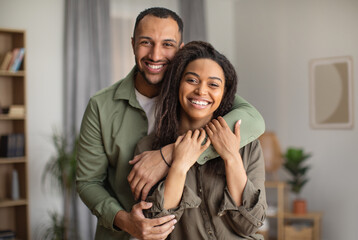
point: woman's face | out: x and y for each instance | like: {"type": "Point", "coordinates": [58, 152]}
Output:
{"type": "Point", "coordinates": [201, 89]}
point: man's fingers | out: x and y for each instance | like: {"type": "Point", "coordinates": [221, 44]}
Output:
{"type": "Point", "coordinates": [138, 189]}
{"type": "Point", "coordinates": [162, 220]}
{"type": "Point", "coordinates": [146, 190]}
{"type": "Point", "coordinates": [142, 205]}
{"type": "Point", "coordinates": [162, 231]}
{"type": "Point", "coordinates": [168, 226]}
{"type": "Point", "coordinates": [135, 159]}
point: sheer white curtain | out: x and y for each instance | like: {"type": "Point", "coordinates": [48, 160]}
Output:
{"type": "Point", "coordinates": [122, 53]}
{"type": "Point", "coordinates": [87, 70]}
{"type": "Point", "coordinates": [193, 14]}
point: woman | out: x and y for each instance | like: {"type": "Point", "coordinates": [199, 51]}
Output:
{"type": "Point", "coordinates": [225, 197]}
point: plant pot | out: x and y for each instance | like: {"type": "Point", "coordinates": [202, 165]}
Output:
{"type": "Point", "coordinates": [299, 206]}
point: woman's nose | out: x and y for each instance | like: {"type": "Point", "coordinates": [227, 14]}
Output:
{"type": "Point", "coordinates": [201, 89]}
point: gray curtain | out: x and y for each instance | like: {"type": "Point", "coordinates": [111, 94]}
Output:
{"type": "Point", "coordinates": [193, 15]}
{"type": "Point", "coordinates": [87, 70]}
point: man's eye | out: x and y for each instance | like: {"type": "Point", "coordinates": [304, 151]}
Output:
{"type": "Point", "coordinates": [145, 42]}
{"type": "Point", "coordinates": [168, 44]}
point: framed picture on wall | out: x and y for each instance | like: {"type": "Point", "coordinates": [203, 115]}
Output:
{"type": "Point", "coordinates": [331, 93]}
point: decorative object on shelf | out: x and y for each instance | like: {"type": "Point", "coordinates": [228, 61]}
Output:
{"type": "Point", "coordinates": [272, 153]}
{"type": "Point", "coordinates": [15, 190]}
{"type": "Point", "coordinates": [17, 110]}
{"type": "Point", "coordinates": [294, 159]}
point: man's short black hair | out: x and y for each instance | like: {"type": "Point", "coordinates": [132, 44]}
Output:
{"type": "Point", "coordinates": [160, 12]}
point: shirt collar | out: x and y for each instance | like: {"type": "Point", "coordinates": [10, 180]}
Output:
{"type": "Point", "coordinates": [126, 89]}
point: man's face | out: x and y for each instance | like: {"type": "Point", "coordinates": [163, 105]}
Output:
{"type": "Point", "coordinates": [155, 43]}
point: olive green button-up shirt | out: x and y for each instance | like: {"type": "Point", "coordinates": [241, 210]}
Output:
{"type": "Point", "coordinates": [112, 125]}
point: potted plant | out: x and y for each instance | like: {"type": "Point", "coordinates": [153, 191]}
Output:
{"type": "Point", "coordinates": [294, 160]}
{"type": "Point", "coordinates": [61, 171]}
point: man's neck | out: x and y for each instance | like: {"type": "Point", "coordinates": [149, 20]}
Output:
{"type": "Point", "coordinates": [144, 88]}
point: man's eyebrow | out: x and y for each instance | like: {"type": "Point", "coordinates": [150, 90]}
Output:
{"type": "Point", "coordinates": [165, 40]}
{"type": "Point", "coordinates": [170, 40]}
{"type": "Point", "coordinates": [197, 75]}
{"type": "Point", "coordinates": [144, 37]}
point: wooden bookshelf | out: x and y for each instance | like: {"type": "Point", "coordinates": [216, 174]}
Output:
{"type": "Point", "coordinates": [14, 213]}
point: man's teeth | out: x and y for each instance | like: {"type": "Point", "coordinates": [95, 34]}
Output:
{"type": "Point", "coordinates": [155, 66]}
{"type": "Point", "coordinates": [201, 103]}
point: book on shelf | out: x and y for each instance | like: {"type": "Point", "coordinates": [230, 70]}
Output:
{"type": "Point", "coordinates": [12, 145]}
{"type": "Point", "coordinates": [7, 234]}
{"type": "Point", "coordinates": [12, 60]}
{"type": "Point", "coordinates": [6, 61]}
{"type": "Point", "coordinates": [18, 60]}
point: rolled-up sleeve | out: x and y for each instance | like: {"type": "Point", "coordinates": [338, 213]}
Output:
{"type": "Point", "coordinates": [189, 200]}
{"type": "Point", "coordinates": [247, 218]}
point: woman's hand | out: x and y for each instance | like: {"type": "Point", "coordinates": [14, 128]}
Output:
{"type": "Point", "coordinates": [188, 148]}
{"type": "Point", "coordinates": [225, 142]}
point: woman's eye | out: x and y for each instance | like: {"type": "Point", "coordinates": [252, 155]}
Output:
{"type": "Point", "coordinates": [215, 85]}
{"type": "Point", "coordinates": [191, 80]}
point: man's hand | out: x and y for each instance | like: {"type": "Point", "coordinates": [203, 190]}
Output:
{"type": "Point", "coordinates": [138, 226]}
{"type": "Point", "coordinates": [149, 168]}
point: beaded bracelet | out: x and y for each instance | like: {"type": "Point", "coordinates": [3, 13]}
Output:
{"type": "Point", "coordinates": [161, 153]}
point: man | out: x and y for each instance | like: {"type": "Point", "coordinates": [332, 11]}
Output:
{"type": "Point", "coordinates": [117, 117]}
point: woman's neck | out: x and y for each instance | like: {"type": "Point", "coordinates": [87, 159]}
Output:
{"type": "Point", "coordinates": [187, 124]}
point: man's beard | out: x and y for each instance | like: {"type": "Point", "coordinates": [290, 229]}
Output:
{"type": "Point", "coordinates": [147, 80]}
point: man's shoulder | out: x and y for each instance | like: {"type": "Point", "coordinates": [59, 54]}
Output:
{"type": "Point", "coordinates": [106, 92]}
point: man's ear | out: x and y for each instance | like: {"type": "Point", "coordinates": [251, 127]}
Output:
{"type": "Point", "coordinates": [181, 45]}
{"type": "Point", "coordinates": [132, 39]}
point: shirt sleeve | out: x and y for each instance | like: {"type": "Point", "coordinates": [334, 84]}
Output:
{"type": "Point", "coordinates": [252, 125]}
{"type": "Point", "coordinates": [189, 200]}
{"type": "Point", "coordinates": [91, 170]}
{"type": "Point", "coordinates": [247, 218]}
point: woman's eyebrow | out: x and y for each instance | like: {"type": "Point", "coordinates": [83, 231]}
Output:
{"type": "Point", "coordinates": [197, 75]}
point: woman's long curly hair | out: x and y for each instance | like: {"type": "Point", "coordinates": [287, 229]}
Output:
{"type": "Point", "coordinates": [168, 107]}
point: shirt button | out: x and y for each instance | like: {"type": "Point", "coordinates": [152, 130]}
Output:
{"type": "Point", "coordinates": [206, 158]}
{"type": "Point", "coordinates": [200, 190]}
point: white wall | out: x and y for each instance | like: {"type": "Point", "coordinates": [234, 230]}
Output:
{"type": "Point", "coordinates": [273, 43]}
{"type": "Point", "coordinates": [43, 21]}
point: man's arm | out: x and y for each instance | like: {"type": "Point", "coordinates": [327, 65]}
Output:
{"type": "Point", "coordinates": [149, 167]}
{"type": "Point", "coordinates": [92, 164]}
{"type": "Point", "coordinates": [92, 167]}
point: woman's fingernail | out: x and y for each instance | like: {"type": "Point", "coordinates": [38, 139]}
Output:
{"type": "Point", "coordinates": [240, 122]}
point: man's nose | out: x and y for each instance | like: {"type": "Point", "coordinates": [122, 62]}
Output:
{"type": "Point", "coordinates": [156, 53]}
